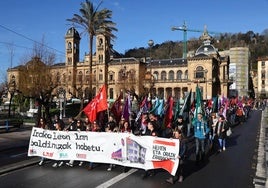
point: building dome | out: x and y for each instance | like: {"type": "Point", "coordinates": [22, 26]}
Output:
{"type": "Point", "coordinates": [207, 48]}
{"type": "Point", "coordinates": [72, 32]}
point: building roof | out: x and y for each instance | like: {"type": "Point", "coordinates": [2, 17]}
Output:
{"type": "Point", "coordinates": [14, 68]}
{"type": "Point", "coordinates": [58, 64]}
{"type": "Point", "coordinates": [169, 62]}
{"type": "Point", "coordinates": [115, 54]}
{"type": "Point", "coordinates": [124, 60]}
{"type": "Point", "coordinates": [72, 32]}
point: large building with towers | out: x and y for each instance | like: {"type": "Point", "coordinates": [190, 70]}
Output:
{"type": "Point", "coordinates": [162, 78]}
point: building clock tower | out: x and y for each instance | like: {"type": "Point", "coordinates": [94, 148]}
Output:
{"type": "Point", "coordinates": [102, 59]}
{"type": "Point", "coordinates": [72, 44]}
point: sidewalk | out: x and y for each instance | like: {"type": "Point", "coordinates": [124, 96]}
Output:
{"type": "Point", "coordinates": [261, 177]}
{"type": "Point", "coordinates": [15, 166]}
{"type": "Point", "coordinates": [5, 144]}
{"type": "Point", "coordinates": [265, 124]}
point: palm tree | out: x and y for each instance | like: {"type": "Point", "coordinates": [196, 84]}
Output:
{"type": "Point", "coordinates": [94, 21]}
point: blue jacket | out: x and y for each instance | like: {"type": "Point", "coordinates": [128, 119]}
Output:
{"type": "Point", "coordinates": [201, 129]}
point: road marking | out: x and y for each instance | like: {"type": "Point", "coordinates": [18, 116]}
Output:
{"type": "Point", "coordinates": [116, 179]}
{"type": "Point", "coordinates": [13, 156]}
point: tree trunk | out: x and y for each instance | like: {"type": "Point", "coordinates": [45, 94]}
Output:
{"type": "Point", "coordinates": [9, 105]}
{"type": "Point", "coordinates": [90, 66]}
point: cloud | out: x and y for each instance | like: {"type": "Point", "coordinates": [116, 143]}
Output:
{"type": "Point", "coordinates": [118, 5]}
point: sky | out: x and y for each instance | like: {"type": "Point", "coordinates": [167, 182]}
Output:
{"type": "Point", "coordinates": [24, 22]}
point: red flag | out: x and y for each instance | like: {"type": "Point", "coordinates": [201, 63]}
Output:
{"type": "Point", "coordinates": [116, 108]}
{"type": "Point", "coordinates": [91, 110]}
{"type": "Point", "coordinates": [98, 104]}
{"type": "Point", "coordinates": [209, 103]}
{"type": "Point", "coordinates": [102, 100]}
{"type": "Point", "coordinates": [169, 112]}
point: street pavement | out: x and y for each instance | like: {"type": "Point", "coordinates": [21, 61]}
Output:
{"type": "Point", "coordinates": [260, 179]}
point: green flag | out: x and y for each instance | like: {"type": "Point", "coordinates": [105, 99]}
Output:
{"type": "Point", "coordinates": [198, 102]}
{"type": "Point", "coordinates": [187, 103]}
{"type": "Point", "coordinates": [177, 109]}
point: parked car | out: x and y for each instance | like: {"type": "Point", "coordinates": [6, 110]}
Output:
{"type": "Point", "coordinates": [11, 122]}
{"type": "Point", "coordinates": [31, 112]}
{"type": "Point", "coordinates": [5, 106]}
{"type": "Point", "coordinates": [73, 101]}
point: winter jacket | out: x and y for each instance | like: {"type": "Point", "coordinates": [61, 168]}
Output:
{"type": "Point", "coordinates": [220, 129]}
{"type": "Point", "coordinates": [201, 129]}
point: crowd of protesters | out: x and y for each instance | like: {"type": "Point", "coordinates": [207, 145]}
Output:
{"type": "Point", "coordinates": [208, 130]}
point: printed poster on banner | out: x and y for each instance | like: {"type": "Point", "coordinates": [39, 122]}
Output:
{"type": "Point", "coordinates": [145, 152]}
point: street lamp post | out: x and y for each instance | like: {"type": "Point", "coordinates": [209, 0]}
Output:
{"type": "Point", "coordinates": [206, 71]}
{"type": "Point", "coordinates": [62, 101]}
{"type": "Point", "coordinates": [150, 44]}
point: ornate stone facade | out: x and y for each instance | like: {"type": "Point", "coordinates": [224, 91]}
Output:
{"type": "Point", "coordinates": [161, 78]}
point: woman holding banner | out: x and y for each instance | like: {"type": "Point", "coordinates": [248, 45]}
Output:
{"type": "Point", "coordinates": [43, 125]}
{"type": "Point", "coordinates": [95, 128]}
{"type": "Point", "coordinates": [71, 127]}
{"type": "Point", "coordinates": [151, 131]}
{"type": "Point", "coordinates": [58, 127]}
{"type": "Point", "coordinates": [177, 134]}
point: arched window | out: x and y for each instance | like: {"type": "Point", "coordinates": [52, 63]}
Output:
{"type": "Point", "coordinates": [13, 78]}
{"type": "Point", "coordinates": [186, 74]}
{"type": "Point", "coordinates": [69, 46]}
{"type": "Point", "coordinates": [132, 74]}
{"type": "Point", "coordinates": [64, 78]}
{"type": "Point", "coordinates": [69, 59]}
{"type": "Point", "coordinates": [87, 94]}
{"type": "Point", "coordinates": [111, 76]}
{"type": "Point", "coordinates": [100, 58]}
{"type": "Point", "coordinates": [111, 93]}
{"type": "Point", "coordinates": [75, 48]}
{"type": "Point", "coordinates": [58, 77]}
{"type": "Point", "coordinates": [80, 76]}
{"type": "Point", "coordinates": [163, 75]}
{"type": "Point", "coordinates": [87, 76]}
{"type": "Point", "coordinates": [122, 74]}
{"type": "Point", "coordinates": [70, 76]}
{"type": "Point", "coordinates": [171, 75]}
{"type": "Point", "coordinates": [100, 75]}
{"type": "Point", "coordinates": [100, 41]}
{"type": "Point", "coordinates": [156, 75]}
{"type": "Point", "coordinates": [179, 75]}
{"type": "Point", "coordinates": [94, 75]}
{"type": "Point", "coordinates": [199, 72]}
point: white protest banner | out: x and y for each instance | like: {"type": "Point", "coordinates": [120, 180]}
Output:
{"type": "Point", "coordinates": [124, 149]}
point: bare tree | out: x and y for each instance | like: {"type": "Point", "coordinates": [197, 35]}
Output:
{"type": "Point", "coordinates": [40, 50]}
{"type": "Point", "coordinates": [3, 91]}
{"type": "Point", "coordinates": [12, 88]}
{"type": "Point", "coordinates": [36, 81]}
{"type": "Point", "coordinates": [10, 47]}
